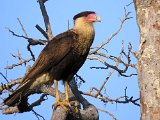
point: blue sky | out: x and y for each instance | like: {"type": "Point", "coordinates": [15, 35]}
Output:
{"type": "Point", "coordinates": [60, 11]}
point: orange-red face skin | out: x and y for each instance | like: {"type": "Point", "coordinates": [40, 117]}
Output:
{"type": "Point", "coordinates": [91, 17]}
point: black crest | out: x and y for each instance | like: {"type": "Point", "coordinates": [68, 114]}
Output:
{"type": "Point", "coordinates": [83, 14]}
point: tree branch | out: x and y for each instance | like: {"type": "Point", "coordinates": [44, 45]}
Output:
{"type": "Point", "coordinates": [126, 17]}
{"type": "Point", "coordinates": [42, 31]}
{"type": "Point", "coordinates": [110, 114]}
{"type": "Point", "coordinates": [22, 27]}
{"type": "Point", "coordinates": [46, 19]}
{"type": "Point", "coordinates": [9, 85]}
{"type": "Point", "coordinates": [31, 41]}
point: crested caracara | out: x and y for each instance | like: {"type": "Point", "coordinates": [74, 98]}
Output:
{"type": "Point", "coordinates": [61, 58]}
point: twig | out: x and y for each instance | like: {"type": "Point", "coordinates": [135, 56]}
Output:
{"type": "Point", "coordinates": [18, 64]}
{"type": "Point", "coordinates": [22, 27]}
{"type": "Point", "coordinates": [130, 75]}
{"type": "Point", "coordinates": [38, 102]}
{"type": "Point", "coordinates": [114, 67]}
{"type": "Point", "coordinates": [116, 100]}
{"type": "Point", "coordinates": [46, 19]}
{"type": "Point", "coordinates": [42, 31]}
{"type": "Point", "coordinates": [4, 77]}
{"type": "Point", "coordinates": [115, 59]}
{"type": "Point", "coordinates": [114, 34]}
{"type": "Point", "coordinates": [28, 47]}
{"type": "Point", "coordinates": [8, 85]}
{"type": "Point", "coordinates": [121, 61]}
{"type": "Point", "coordinates": [10, 110]}
{"type": "Point", "coordinates": [78, 76]}
{"type": "Point", "coordinates": [110, 114]}
{"type": "Point", "coordinates": [99, 68]}
{"type": "Point", "coordinates": [31, 40]}
{"type": "Point", "coordinates": [38, 115]}
{"type": "Point", "coordinates": [95, 58]}
{"type": "Point", "coordinates": [129, 100]}
{"type": "Point", "coordinates": [110, 73]}
{"type": "Point", "coordinates": [94, 88]}
{"type": "Point", "coordinates": [130, 4]}
{"type": "Point", "coordinates": [68, 25]}
{"type": "Point", "coordinates": [101, 97]}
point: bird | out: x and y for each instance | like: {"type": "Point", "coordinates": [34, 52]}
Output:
{"type": "Point", "coordinates": [60, 59]}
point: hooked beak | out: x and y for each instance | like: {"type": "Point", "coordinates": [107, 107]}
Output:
{"type": "Point", "coordinates": [98, 19]}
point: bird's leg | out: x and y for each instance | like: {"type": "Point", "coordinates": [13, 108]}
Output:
{"type": "Point", "coordinates": [56, 90]}
{"type": "Point", "coordinates": [58, 102]}
{"type": "Point", "coordinates": [66, 91]}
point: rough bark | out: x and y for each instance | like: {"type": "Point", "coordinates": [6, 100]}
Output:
{"type": "Point", "coordinates": [148, 18]}
{"type": "Point", "coordinates": [89, 111]}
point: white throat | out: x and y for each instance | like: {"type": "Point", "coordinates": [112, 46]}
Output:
{"type": "Point", "coordinates": [84, 27]}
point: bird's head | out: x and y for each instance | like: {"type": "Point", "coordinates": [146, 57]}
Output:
{"type": "Point", "coordinates": [84, 20]}
{"type": "Point", "coordinates": [87, 16]}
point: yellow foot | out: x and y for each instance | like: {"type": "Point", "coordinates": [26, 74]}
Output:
{"type": "Point", "coordinates": [64, 104]}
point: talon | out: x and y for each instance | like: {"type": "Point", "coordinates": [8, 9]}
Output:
{"type": "Point", "coordinates": [63, 104]}
{"type": "Point", "coordinates": [67, 103]}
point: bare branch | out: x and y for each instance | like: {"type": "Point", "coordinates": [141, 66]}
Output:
{"type": "Point", "coordinates": [110, 114]}
{"type": "Point", "coordinates": [110, 73]}
{"type": "Point", "coordinates": [28, 47]}
{"type": "Point", "coordinates": [130, 4]}
{"type": "Point", "coordinates": [31, 40]}
{"type": "Point", "coordinates": [129, 100]}
{"type": "Point", "coordinates": [46, 19]}
{"type": "Point", "coordinates": [37, 42]}
{"type": "Point", "coordinates": [116, 100]}
{"type": "Point", "coordinates": [38, 115]}
{"type": "Point", "coordinates": [78, 76]}
{"type": "Point", "coordinates": [10, 110]}
{"type": "Point", "coordinates": [115, 59]}
{"type": "Point", "coordinates": [80, 79]}
{"type": "Point", "coordinates": [101, 97]}
{"type": "Point", "coordinates": [42, 31]}
{"type": "Point", "coordinates": [38, 102]}
{"type": "Point", "coordinates": [22, 27]}
{"type": "Point", "coordinates": [4, 77]}
{"type": "Point", "coordinates": [9, 85]}
{"type": "Point", "coordinates": [114, 34]}
{"type": "Point", "coordinates": [21, 59]}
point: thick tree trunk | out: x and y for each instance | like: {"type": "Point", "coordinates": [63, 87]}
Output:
{"type": "Point", "coordinates": [148, 18]}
